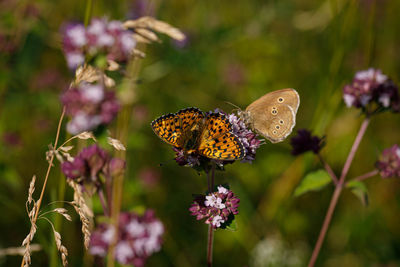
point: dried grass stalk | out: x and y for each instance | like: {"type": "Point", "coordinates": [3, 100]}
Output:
{"type": "Point", "coordinates": [147, 34]}
{"type": "Point", "coordinates": [88, 73]}
{"type": "Point", "coordinates": [31, 189]}
{"type": "Point", "coordinates": [112, 65]}
{"type": "Point", "coordinates": [84, 212]}
{"type": "Point", "coordinates": [27, 243]}
{"type": "Point", "coordinates": [63, 250]}
{"type": "Point", "coordinates": [18, 250]}
{"type": "Point", "coordinates": [138, 53]}
{"type": "Point", "coordinates": [86, 135]}
{"type": "Point", "coordinates": [115, 143]}
{"type": "Point", "coordinates": [66, 148]}
{"type": "Point", "coordinates": [140, 39]}
{"type": "Point", "coordinates": [155, 25]}
{"type": "Point", "coordinates": [63, 212]}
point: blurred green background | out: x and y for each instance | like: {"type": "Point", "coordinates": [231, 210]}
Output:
{"type": "Point", "coordinates": [236, 52]}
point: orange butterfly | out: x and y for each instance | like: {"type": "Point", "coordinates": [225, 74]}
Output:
{"type": "Point", "coordinates": [193, 131]}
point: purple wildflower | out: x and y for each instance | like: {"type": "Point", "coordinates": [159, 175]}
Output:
{"type": "Point", "coordinates": [304, 142]}
{"type": "Point", "coordinates": [371, 86]}
{"type": "Point", "coordinates": [218, 208]}
{"type": "Point", "coordinates": [100, 37]}
{"type": "Point", "coordinates": [89, 105]}
{"type": "Point", "coordinates": [138, 238]}
{"type": "Point", "coordinates": [389, 163]}
{"type": "Point", "coordinates": [248, 138]}
{"type": "Point", "coordinates": [90, 164]}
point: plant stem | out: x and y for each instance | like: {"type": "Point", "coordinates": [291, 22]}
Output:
{"type": "Point", "coordinates": [88, 12]}
{"type": "Point", "coordinates": [103, 203]}
{"type": "Point", "coordinates": [210, 239]}
{"type": "Point", "coordinates": [39, 202]}
{"type": "Point", "coordinates": [336, 193]}
{"type": "Point", "coordinates": [328, 169]}
{"type": "Point", "coordinates": [366, 175]}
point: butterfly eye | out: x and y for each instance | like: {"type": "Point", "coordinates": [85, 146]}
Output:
{"type": "Point", "coordinates": [274, 132]}
{"type": "Point", "coordinates": [277, 127]}
{"type": "Point", "coordinates": [281, 121]}
{"type": "Point", "coordinates": [280, 100]}
{"type": "Point", "coordinates": [274, 111]}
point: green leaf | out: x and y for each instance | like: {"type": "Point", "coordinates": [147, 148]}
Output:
{"type": "Point", "coordinates": [232, 226]}
{"type": "Point", "coordinates": [313, 181]}
{"type": "Point", "coordinates": [360, 190]}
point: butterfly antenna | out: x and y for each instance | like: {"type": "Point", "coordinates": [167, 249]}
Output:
{"type": "Point", "coordinates": [236, 107]}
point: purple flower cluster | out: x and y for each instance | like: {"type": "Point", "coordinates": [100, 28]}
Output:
{"type": "Point", "coordinates": [304, 142]}
{"type": "Point", "coordinates": [248, 138]}
{"type": "Point", "coordinates": [389, 163]}
{"type": "Point", "coordinates": [100, 37]}
{"type": "Point", "coordinates": [371, 86]}
{"type": "Point", "coordinates": [91, 163]}
{"type": "Point", "coordinates": [90, 105]}
{"type": "Point", "coordinates": [217, 207]}
{"type": "Point", "coordinates": [137, 238]}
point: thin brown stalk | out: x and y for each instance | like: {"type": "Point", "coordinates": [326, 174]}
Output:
{"type": "Point", "coordinates": [39, 202]}
{"type": "Point", "coordinates": [210, 239]}
{"type": "Point", "coordinates": [338, 190]}
{"type": "Point", "coordinates": [366, 175]}
{"type": "Point", "coordinates": [328, 169]}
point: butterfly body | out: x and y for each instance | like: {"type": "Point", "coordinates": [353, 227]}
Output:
{"type": "Point", "coordinates": [195, 132]}
{"type": "Point", "coordinates": [273, 115]}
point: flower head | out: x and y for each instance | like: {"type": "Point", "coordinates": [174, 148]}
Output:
{"type": "Point", "coordinates": [389, 162]}
{"type": "Point", "coordinates": [90, 164]}
{"type": "Point", "coordinates": [304, 142]}
{"type": "Point", "coordinates": [218, 208]}
{"type": "Point", "coordinates": [138, 238]}
{"type": "Point", "coordinates": [371, 87]}
{"type": "Point", "coordinates": [104, 37]}
{"type": "Point", "coordinates": [89, 105]}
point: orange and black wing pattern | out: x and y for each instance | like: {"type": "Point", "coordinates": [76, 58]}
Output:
{"type": "Point", "coordinates": [170, 127]}
{"type": "Point", "coordinates": [217, 140]}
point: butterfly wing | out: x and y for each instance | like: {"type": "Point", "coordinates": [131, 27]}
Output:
{"type": "Point", "coordinates": [274, 114]}
{"type": "Point", "coordinates": [171, 127]}
{"type": "Point", "coordinates": [217, 141]}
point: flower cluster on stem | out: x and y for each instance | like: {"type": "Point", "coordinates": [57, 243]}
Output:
{"type": "Point", "coordinates": [217, 208]}
{"type": "Point", "coordinates": [89, 105]}
{"type": "Point", "coordinates": [101, 37]}
{"type": "Point", "coordinates": [372, 91]}
{"type": "Point", "coordinates": [138, 237]}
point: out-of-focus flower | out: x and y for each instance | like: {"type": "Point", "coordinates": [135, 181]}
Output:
{"type": "Point", "coordinates": [12, 139]}
{"type": "Point", "coordinates": [103, 37]}
{"type": "Point", "coordinates": [149, 177]}
{"type": "Point", "coordinates": [389, 162]}
{"type": "Point", "coordinates": [89, 105]}
{"type": "Point", "coordinates": [304, 142]}
{"type": "Point", "coordinates": [90, 164]}
{"type": "Point", "coordinates": [218, 208]}
{"type": "Point", "coordinates": [371, 86]}
{"type": "Point", "coordinates": [141, 8]}
{"type": "Point", "coordinates": [138, 238]}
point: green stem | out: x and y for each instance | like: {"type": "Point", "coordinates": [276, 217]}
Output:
{"type": "Point", "coordinates": [88, 12]}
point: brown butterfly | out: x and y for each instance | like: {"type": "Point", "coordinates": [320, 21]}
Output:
{"type": "Point", "coordinates": [273, 115]}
